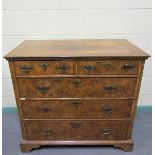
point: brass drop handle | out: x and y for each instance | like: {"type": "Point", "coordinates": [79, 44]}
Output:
{"type": "Point", "coordinates": [63, 68]}
{"type": "Point", "coordinates": [110, 89]}
{"type": "Point", "coordinates": [46, 131]}
{"type": "Point", "coordinates": [43, 89]}
{"type": "Point", "coordinates": [76, 125]}
{"type": "Point", "coordinates": [108, 65]}
{"type": "Point", "coordinates": [25, 68]}
{"type": "Point", "coordinates": [44, 66]}
{"type": "Point", "coordinates": [108, 110]}
{"type": "Point", "coordinates": [45, 109]}
{"type": "Point", "coordinates": [76, 83]}
{"type": "Point", "coordinates": [106, 131]}
{"type": "Point", "coordinates": [128, 66]}
{"type": "Point", "coordinates": [88, 68]}
{"type": "Point", "coordinates": [76, 104]}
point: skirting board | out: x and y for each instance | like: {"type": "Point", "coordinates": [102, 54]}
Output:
{"type": "Point", "coordinates": [11, 110]}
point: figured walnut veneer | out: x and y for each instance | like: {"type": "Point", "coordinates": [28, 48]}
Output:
{"type": "Point", "coordinates": [76, 92]}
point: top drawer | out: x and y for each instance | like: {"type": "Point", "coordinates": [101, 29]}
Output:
{"type": "Point", "coordinates": [45, 67]}
{"type": "Point", "coordinates": [108, 67]}
{"type": "Point", "coordinates": [84, 67]}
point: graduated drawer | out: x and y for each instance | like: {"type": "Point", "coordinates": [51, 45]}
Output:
{"type": "Point", "coordinates": [64, 67]}
{"type": "Point", "coordinates": [76, 87]}
{"type": "Point", "coordinates": [74, 109]}
{"type": "Point", "coordinates": [108, 67]}
{"type": "Point", "coordinates": [76, 130]}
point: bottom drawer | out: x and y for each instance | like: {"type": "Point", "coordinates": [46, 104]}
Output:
{"type": "Point", "coordinates": [76, 130]}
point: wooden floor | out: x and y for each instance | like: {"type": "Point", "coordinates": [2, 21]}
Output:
{"type": "Point", "coordinates": [142, 135]}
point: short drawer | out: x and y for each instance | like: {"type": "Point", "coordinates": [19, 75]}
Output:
{"type": "Point", "coordinates": [74, 109]}
{"type": "Point", "coordinates": [108, 67]}
{"type": "Point", "coordinates": [76, 130]}
{"type": "Point", "coordinates": [45, 67]}
{"type": "Point", "coordinates": [76, 87]}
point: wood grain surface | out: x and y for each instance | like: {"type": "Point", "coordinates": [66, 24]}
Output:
{"type": "Point", "coordinates": [76, 48]}
{"type": "Point", "coordinates": [76, 92]}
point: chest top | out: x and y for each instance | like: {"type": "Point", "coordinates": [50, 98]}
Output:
{"type": "Point", "coordinates": [82, 48]}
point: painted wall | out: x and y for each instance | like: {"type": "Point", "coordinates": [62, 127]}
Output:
{"type": "Point", "coordinates": [63, 19]}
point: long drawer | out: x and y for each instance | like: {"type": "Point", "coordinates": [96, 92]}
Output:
{"type": "Point", "coordinates": [74, 109]}
{"type": "Point", "coordinates": [76, 87]}
{"type": "Point", "coordinates": [76, 130]}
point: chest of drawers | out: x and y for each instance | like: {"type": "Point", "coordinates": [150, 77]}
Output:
{"type": "Point", "coordinates": [76, 92]}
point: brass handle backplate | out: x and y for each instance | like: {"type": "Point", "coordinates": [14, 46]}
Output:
{"type": "Point", "coordinates": [108, 110]}
{"type": "Point", "coordinates": [88, 68]}
{"type": "Point", "coordinates": [128, 66]}
{"type": "Point", "coordinates": [43, 89]}
{"type": "Point", "coordinates": [46, 131]}
{"type": "Point", "coordinates": [76, 83]}
{"type": "Point", "coordinates": [45, 109]}
{"type": "Point", "coordinates": [63, 68]}
{"type": "Point", "coordinates": [110, 89]}
{"type": "Point", "coordinates": [108, 65]}
{"type": "Point", "coordinates": [44, 66]}
{"type": "Point", "coordinates": [76, 104]}
{"type": "Point", "coordinates": [106, 131]}
{"type": "Point", "coordinates": [76, 125]}
{"type": "Point", "coordinates": [25, 68]}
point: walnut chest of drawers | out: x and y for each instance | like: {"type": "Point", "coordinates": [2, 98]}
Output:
{"type": "Point", "coordinates": [76, 92]}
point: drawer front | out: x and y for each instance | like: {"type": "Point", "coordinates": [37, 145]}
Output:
{"type": "Point", "coordinates": [111, 67]}
{"type": "Point", "coordinates": [45, 67]}
{"type": "Point", "coordinates": [76, 130]}
{"type": "Point", "coordinates": [83, 109]}
{"type": "Point", "coordinates": [76, 87]}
